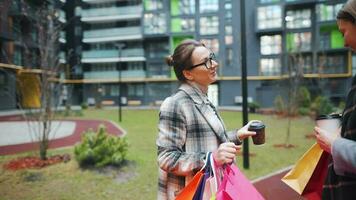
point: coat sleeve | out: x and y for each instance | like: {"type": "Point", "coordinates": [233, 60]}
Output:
{"type": "Point", "coordinates": [344, 156]}
{"type": "Point", "coordinates": [232, 135]}
{"type": "Point", "coordinates": [171, 141]}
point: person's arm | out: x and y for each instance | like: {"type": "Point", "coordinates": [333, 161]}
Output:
{"type": "Point", "coordinates": [171, 141]}
{"type": "Point", "coordinates": [238, 135]}
{"type": "Point", "coordinates": [343, 152]}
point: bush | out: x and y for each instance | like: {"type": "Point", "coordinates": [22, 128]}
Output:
{"type": "Point", "coordinates": [279, 104]}
{"type": "Point", "coordinates": [303, 97]}
{"type": "Point", "coordinates": [322, 106]}
{"type": "Point", "coordinates": [253, 106]}
{"type": "Point", "coordinates": [84, 106]}
{"type": "Point", "coordinates": [100, 149]}
{"type": "Point", "coordinates": [304, 111]}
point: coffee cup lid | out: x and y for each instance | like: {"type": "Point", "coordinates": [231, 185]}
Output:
{"type": "Point", "coordinates": [332, 116]}
{"type": "Point", "coordinates": [256, 125]}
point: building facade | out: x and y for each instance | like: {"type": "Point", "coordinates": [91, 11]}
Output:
{"type": "Point", "coordinates": [116, 49]}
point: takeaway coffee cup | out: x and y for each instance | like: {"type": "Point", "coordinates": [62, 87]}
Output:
{"type": "Point", "coordinates": [259, 128]}
{"type": "Point", "coordinates": [330, 123]}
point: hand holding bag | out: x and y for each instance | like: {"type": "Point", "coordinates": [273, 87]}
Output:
{"type": "Point", "coordinates": [194, 189]}
{"type": "Point", "coordinates": [235, 186]}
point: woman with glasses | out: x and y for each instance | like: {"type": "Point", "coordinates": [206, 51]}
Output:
{"type": "Point", "coordinates": [189, 125]}
{"type": "Point", "coordinates": [340, 182]}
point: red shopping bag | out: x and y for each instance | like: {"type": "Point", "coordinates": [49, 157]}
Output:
{"type": "Point", "coordinates": [314, 187]}
{"type": "Point", "coordinates": [235, 186]}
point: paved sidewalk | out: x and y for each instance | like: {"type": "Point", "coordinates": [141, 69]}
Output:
{"type": "Point", "coordinates": [19, 141]}
{"type": "Point", "coordinates": [272, 188]}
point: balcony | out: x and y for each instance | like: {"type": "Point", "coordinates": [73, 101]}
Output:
{"type": "Point", "coordinates": [62, 57]}
{"type": "Point", "coordinates": [112, 34]}
{"type": "Point", "coordinates": [62, 16]}
{"type": "Point", "coordinates": [110, 56]}
{"type": "Point", "coordinates": [98, 1]}
{"type": "Point", "coordinates": [115, 74]}
{"type": "Point", "coordinates": [111, 14]}
{"type": "Point", "coordinates": [62, 37]}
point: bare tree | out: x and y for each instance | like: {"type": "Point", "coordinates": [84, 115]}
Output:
{"type": "Point", "coordinates": [44, 22]}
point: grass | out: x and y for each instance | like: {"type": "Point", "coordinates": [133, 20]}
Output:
{"type": "Point", "coordinates": [68, 181]}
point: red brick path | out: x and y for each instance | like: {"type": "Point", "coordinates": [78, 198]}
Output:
{"type": "Point", "coordinates": [81, 126]}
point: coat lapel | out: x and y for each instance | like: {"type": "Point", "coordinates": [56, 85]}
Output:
{"type": "Point", "coordinates": [207, 113]}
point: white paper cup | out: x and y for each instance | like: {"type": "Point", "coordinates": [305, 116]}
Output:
{"type": "Point", "coordinates": [330, 123]}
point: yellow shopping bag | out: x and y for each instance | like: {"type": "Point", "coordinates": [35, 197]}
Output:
{"type": "Point", "coordinates": [307, 176]}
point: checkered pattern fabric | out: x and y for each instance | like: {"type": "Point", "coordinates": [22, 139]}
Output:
{"type": "Point", "coordinates": [188, 129]}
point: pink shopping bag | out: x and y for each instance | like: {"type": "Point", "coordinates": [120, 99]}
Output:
{"type": "Point", "coordinates": [235, 186]}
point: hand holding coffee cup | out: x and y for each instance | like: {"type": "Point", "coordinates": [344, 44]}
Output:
{"type": "Point", "coordinates": [327, 130]}
{"type": "Point", "coordinates": [330, 123]}
{"type": "Point", "coordinates": [259, 128]}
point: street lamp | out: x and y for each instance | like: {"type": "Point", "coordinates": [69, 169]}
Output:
{"type": "Point", "coordinates": [119, 46]}
{"type": "Point", "coordinates": [245, 151]}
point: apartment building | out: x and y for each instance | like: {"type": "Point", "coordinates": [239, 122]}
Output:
{"type": "Point", "coordinates": [116, 49]}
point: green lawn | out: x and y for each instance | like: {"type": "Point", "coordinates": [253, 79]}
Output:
{"type": "Point", "coordinates": [137, 180]}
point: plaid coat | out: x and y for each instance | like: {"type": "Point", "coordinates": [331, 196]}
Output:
{"type": "Point", "coordinates": [343, 186]}
{"type": "Point", "coordinates": [189, 127]}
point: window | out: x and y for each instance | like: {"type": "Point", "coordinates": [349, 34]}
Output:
{"type": "Point", "coordinates": [157, 49]}
{"type": "Point", "coordinates": [270, 67]}
{"type": "Point", "coordinates": [209, 25]}
{"type": "Point", "coordinates": [269, 1]}
{"type": "Point", "coordinates": [153, 4]}
{"type": "Point", "coordinates": [212, 44]}
{"type": "Point", "coordinates": [303, 62]}
{"type": "Point", "coordinates": [208, 6]}
{"type": "Point", "coordinates": [182, 7]}
{"type": "Point", "coordinates": [2, 79]}
{"type": "Point", "coordinates": [297, 42]}
{"type": "Point", "coordinates": [155, 23]}
{"type": "Point", "coordinates": [269, 17]}
{"type": "Point", "coordinates": [228, 35]}
{"type": "Point", "coordinates": [271, 44]}
{"type": "Point", "coordinates": [229, 56]}
{"type": "Point", "coordinates": [328, 12]}
{"type": "Point", "coordinates": [114, 90]}
{"type": "Point", "coordinates": [135, 90]}
{"type": "Point", "coordinates": [134, 66]}
{"type": "Point", "coordinates": [182, 25]}
{"type": "Point", "coordinates": [298, 18]}
{"type": "Point", "coordinates": [332, 64]}
{"type": "Point", "coordinates": [17, 56]}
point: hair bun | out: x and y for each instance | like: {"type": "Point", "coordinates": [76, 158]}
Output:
{"type": "Point", "coordinates": [169, 60]}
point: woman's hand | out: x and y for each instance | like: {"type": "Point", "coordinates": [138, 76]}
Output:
{"type": "Point", "coordinates": [325, 139]}
{"type": "Point", "coordinates": [243, 132]}
{"type": "Point", "coordinates": [225, 153]}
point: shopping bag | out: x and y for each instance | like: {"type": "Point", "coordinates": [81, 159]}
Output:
{"type": "Point", "coordinates": [308, 174]}
{"type": "Point", "coordinates": [194, 189]}
{"type": "Point", "coordinates": [314, 188]}
{"type": "Point", "coordinates": [190, 189]}
{"type": "Point", "coordinates": [235, 186]}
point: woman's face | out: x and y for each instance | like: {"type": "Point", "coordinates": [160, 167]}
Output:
{"type": "Point", "coordinates": [204, 67]}
{"type": "Point", "coordinates": [348, 30]}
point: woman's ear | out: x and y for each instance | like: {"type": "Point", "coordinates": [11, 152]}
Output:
{"type": "Point", "coordinates": [188, 75]}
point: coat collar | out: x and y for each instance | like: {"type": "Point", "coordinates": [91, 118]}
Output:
{"type": "Point", "coordinates": [195, 93]}
{"type": "Point", "coordinates": [202, 104]}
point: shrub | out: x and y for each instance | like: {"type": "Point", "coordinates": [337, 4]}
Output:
{"type": "Point", "coordinates": [100, 149]}
{"type": "Point", "coordinates": [279, 104]}
{"type": "Point", "coordinates": [322, 105]}
{"type": "Point", "coordinates": [303, 97]}
{"type": "Point", "coordinates": [253, 106]}
{"type": "Point", "coordinates": [84, 106]}
{"type": "Point", "coordinates": [304, 111]}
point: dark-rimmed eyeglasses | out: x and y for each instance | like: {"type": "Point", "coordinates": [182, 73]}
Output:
{"type": "Point", "coordinates": [208, 63]}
